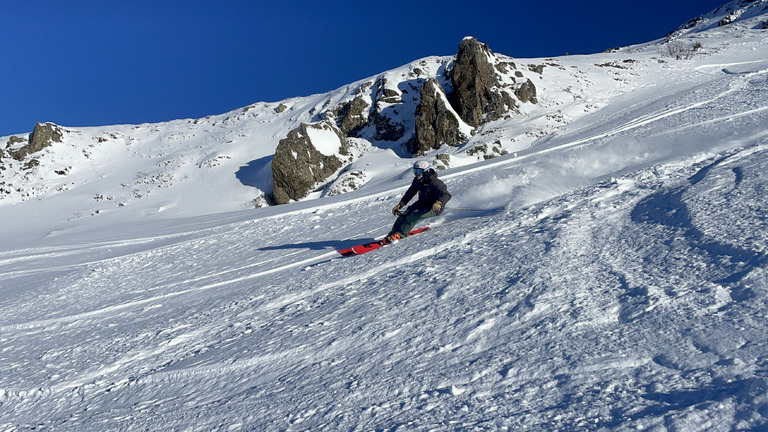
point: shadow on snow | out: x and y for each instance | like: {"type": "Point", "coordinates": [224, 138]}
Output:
{"type": "Point", "coordinates": [320, 245]}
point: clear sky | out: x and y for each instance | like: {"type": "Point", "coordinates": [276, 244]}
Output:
{"type": "Point", "coordinates": [103, 62]}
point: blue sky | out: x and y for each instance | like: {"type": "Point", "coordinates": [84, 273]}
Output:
{"type": "Point", "coordinates": [95, 62]}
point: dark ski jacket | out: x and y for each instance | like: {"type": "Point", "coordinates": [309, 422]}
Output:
{"type": "Point", "coordinates": [430, 189]}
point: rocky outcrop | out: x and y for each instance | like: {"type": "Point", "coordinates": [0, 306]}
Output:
{"type": "Point", "coordinates": [43, 135]}
{"type": "Point", "coordinates": [526, 92]}
{"type": "Point", "coordinates": [299, 164]}
{"type": "Point", "coordinates": [385, 94]}
{"type": "Point", "coordinates": [385, 97]}
{"type": "Point", "coordinates": [436, 123]}
{"type": "Point", "coordinates": [476, 95]}
{"type": "Point", "coordinates": [386, 129]}
{"type": "Point", "coordinates": [351, 116]}
{"type": "Point", "coordinates": [12, 141]}
{"type": "Point", "coordinates": [387, 113]}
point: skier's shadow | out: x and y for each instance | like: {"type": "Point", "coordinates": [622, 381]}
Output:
{"type": "Point", "coordinates": [320, 245]}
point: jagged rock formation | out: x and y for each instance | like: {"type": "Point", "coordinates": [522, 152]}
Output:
{"type": "Point", "coordinates": [482, 87]}
{"type": "Point", "coordinates": [477, 96]}
{"type": "Point", "coordinates": [352, 116]}
{"type": "Point", "coordinates": [43, 135]}
{"type": "Point", "coordinates": [386, 128]}
{"type": "Point", "coordinates": [436, 123]}
{"type": "Point", "coordinates": [298, 165]}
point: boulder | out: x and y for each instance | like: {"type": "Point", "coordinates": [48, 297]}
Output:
{"type": "Point", "coordinates": [526, 92]}
{"type": "Point", "coordinates": [299, 164]}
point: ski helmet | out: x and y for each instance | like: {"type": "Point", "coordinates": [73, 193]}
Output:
{"type": "Point", "coordinates": [419, 167]}
{"type": "Point", "coordinates": [422, 165]}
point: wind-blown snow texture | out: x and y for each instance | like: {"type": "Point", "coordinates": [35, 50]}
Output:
{"type": "Point", "coordinates": [608, 274]}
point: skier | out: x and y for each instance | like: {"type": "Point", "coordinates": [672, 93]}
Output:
{"type": "Point", "coordinates": [433, 195]}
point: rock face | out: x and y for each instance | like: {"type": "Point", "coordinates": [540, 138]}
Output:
{"type": "Point", "coordinates": [298, 165]}
{"type": "Point", "coordinates": [476, 95]}
{"type": "Point", "coordinates": [352, 115]}
{"type": "Point", "coordinates": [436, 124]}
{"type": "Point", "coordinates": [44, 135]}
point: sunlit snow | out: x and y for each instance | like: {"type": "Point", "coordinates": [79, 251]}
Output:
{"type": "Point", "coordinates": [608, 273]}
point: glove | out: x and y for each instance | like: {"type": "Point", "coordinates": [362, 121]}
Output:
{"type": "Point", "coordinates": [437, 206]}
{"type": "Point", "coordinates": [396, 209]}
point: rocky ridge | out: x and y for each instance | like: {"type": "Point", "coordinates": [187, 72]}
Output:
{"type": "Point", "coordinates": [413, 116]}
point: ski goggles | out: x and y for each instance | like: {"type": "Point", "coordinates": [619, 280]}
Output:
{"type": "Point", "coordinates": [418, 171]}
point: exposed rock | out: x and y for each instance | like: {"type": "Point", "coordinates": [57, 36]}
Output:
{"type": "Point", "coordinates": [475, 95]}
{"type": "Point", "coordinates": [298, 166]}
{"type": "Point", "coordinates": [483, 152]}
{"type": "Point", "coordinates": [506, 67]}
{"type": "Point", "coordinates": [481, 89]}
{"type": "Point", "coordinates": [391, 96]}
{"type": "Point", "coordinates": [526, 92]}
{"type": "Point", "coordinates": [728, 19]}
{"type": "Point", "coordinates": [443, 161]}
{"type": "Point", "coordinates": [350, 116]}
{"type": "Point", "coordinates": [693, 23]}
{"type": "Point", "coordinates": [385, 94]}
{"type": "Point", "coordinates": [44, 135]}
{"type": "Point", "coordinates": [436, 124]}
{"type": "Point", "coordinates": [347, 182]}
{"type": "Point", "coordinates": [386, 130]}
{"type": "Point", "coordinates": [363, 88]}
{"type": "Point", "coordinates": [14, 140]}
{"type": "Point", "coordinates": [11, 142]}
{"type": "Point", "coordinates": [31, 164]}
{"type": "Point", "coordinates": [281, 108]}
{"type": "Point", "coordinates": [384, 98]}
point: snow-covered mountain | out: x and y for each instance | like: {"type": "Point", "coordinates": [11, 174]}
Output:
{"type": "Point", "coordinates": [602, 265]}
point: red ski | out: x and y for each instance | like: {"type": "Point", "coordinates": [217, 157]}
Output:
{"type": "Point", "coordinates": [365, 248]}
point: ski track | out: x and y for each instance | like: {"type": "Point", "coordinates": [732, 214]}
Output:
{"type": "Point", "coordinates": [538, 313]}
{"type": "Point", "coordinates": [634, 124]}
{"type": "Point", "coordinates": [140, 303]}
{"type": "Point", "coordinates": [284, 261]}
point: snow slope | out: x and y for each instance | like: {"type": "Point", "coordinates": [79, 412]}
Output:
{"type": "Point", "coordinates": [607, 274]}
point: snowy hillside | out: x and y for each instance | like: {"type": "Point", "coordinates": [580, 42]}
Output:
{"type": "Point", "coordinates": [607, 273]}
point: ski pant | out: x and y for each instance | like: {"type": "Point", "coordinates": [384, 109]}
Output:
{"type": "Point", "coordinates": [405, 222]}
